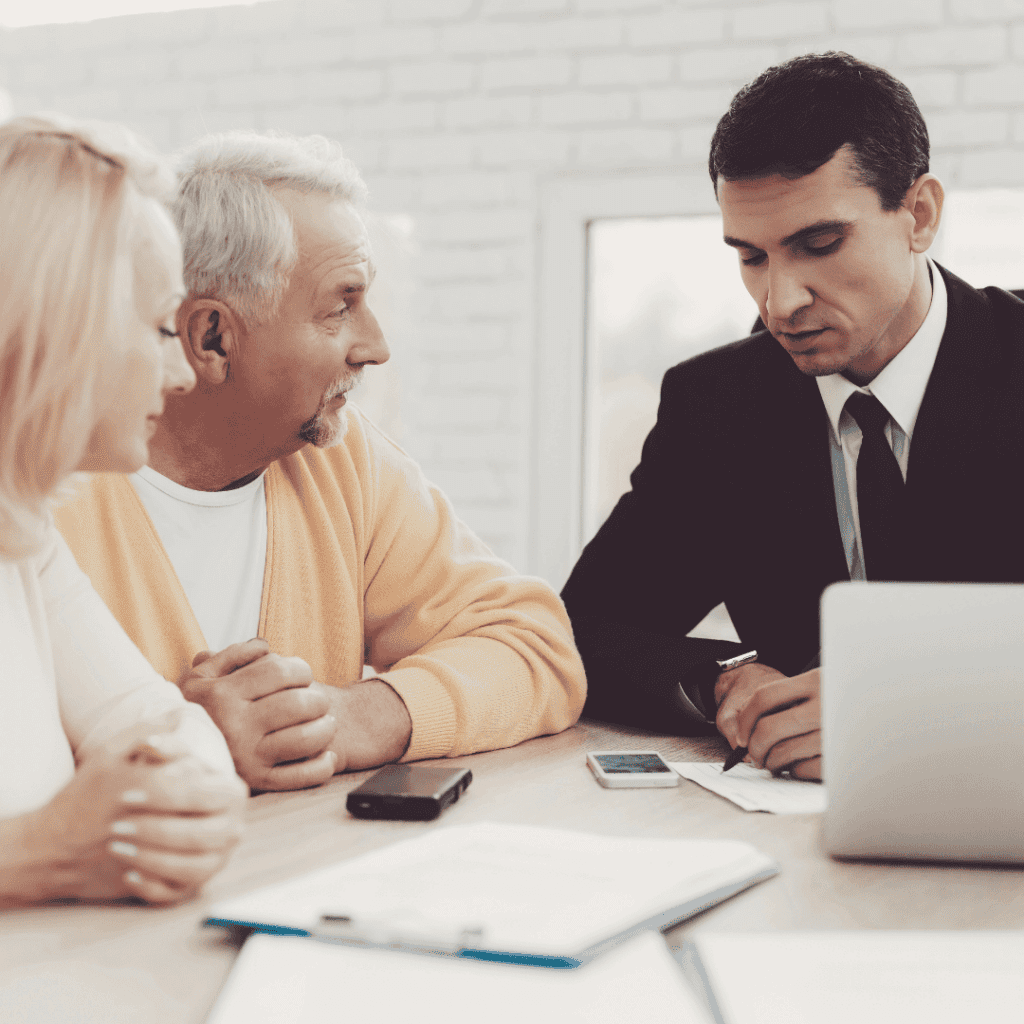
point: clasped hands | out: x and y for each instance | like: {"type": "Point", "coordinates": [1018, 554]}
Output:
{"type": "Point", "coordinates": [286, 731]}
{"type": "Point", "coordinates": [141, 817]}
{"type": "Point", "coordinates": [779, 740]}
{"type": "Point", "coordinates": [275, 718]}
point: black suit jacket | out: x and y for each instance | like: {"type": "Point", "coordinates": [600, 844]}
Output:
{"type": "Point", "coordinates": [733, 501]}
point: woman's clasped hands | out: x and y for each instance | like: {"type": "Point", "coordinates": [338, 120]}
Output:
{"type": "Point", "coordinates": [142, 817]}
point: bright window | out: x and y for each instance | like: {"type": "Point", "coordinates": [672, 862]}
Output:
{"type": "Point", "coordinates": [661, 289]}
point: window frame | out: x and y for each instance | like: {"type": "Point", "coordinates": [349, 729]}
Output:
{"type": "Point", "coordinates": [568, 206]}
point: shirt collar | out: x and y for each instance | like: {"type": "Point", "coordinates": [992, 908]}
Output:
{"type": "Point", "coordinates": [209, 499]}
{"type": "Point", "coordinates": [901, 385]}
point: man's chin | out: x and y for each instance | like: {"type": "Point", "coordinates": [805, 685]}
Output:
{"type": "Point", "coordinates": [813, 363]}
{"type": "Point", "coordinates": [336, 437]}
{"type": "Point", "coordinates": [327, 430]}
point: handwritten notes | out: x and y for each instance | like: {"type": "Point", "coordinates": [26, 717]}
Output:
{"type": "Point", "coordinates": [755, 789]}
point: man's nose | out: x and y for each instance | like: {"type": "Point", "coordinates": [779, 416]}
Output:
{"type": "Point", "coordinates": [370, 345]}
{"type": "Point", "coordinates": [787, 293]}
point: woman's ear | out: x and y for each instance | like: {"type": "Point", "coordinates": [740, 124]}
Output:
{"type": "Point", "coordinates": [924, 200]}
{"type": "Point", "coordinates": [209, 332]}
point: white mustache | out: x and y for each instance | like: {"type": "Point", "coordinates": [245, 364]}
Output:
{"type": "Point", "coordinates": [344, 387]}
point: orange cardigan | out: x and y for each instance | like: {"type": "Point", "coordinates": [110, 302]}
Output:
{"type": "Point", "coordinates": [366, 561]}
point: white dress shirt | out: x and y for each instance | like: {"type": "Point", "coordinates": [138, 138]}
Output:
{"type": "Point", "coordinates": [900, 388]}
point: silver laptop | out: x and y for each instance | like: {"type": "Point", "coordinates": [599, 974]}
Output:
{"type": "Point", "coordinates": [923, 720]}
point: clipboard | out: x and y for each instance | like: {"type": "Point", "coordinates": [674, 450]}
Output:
{"type": "Point", "coordinates": [513, 894]}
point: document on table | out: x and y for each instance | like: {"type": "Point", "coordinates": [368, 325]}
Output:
{"type": "Point", "coordinates": [285, 979]}
{"type": "Point", "coordinates": [505, 890]}
{"type": "Point", "coordinates": [755, 789]}
{"type": "Point", "coordinates": [852, 977]}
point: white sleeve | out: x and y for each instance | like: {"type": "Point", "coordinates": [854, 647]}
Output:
{"type": "Point", "coordinates": [104, 684]}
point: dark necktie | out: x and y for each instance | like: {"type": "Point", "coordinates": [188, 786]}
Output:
{"type": "Point", "coordinates": [881, 492]}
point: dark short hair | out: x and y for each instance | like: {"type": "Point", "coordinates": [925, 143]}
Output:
{"type": "Point", "coordinates": [796, 116]}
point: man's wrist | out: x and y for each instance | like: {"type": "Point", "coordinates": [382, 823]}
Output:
{"type": "Point", "coordinates": [374, 726]}
{"type": "Point", "coordinates": [724, 668]}
{"type": "Point", "coordinates": [697, 694]}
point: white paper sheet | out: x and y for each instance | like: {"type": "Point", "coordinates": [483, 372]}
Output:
{"type": "Point", "coordinates": [530, 890]}
{"type": "Point", "coordinates": [755, 789]}
{"type": "Point", "coordinates": [289, 980]}
{"type": "Point", "coordinates": [853, 977]}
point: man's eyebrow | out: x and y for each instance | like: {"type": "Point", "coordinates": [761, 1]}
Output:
{"type": "Point", "coordinates": [821, 227]}
{"type": "Point", "coordinates": [348, 289]}
{"type": "Point", "coordinates": [351, 289]}
{"type": "Point", "coordinates": [818, 228]}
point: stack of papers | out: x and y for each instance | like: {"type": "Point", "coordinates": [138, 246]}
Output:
{"type": "Point", "coordinates": [755, 789]}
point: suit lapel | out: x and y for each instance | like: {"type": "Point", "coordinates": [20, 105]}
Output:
{"type": "Point", "coordinates": [800, 461]}
{"type": "Point", "coordinates": [961, 399]}
{"type": "Point", "coordinates": [960, 431]}
{"type": "Point", "coordinates": [798, 547]}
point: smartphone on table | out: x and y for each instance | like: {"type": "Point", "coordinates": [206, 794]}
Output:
{"type": "Point", "coordinates": [408, 792]}
{"type": "Point", "coordinates": [631, 769]}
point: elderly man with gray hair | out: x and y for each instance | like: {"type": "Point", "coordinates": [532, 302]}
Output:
{"type": "Point", "coordinates": [270, 510]}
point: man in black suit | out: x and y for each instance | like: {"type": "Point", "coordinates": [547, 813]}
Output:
{"type": "Point", "coordinates": [873, 431]}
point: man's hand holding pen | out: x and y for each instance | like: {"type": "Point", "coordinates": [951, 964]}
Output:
{"type": "Point", "coordinates": [776, 718]}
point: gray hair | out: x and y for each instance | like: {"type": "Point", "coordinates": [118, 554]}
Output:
{"type": "Point", "coordinates": [238, 239]}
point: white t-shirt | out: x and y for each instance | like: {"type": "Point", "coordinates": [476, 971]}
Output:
{"type": "Point", "coordinates": [217, 543]}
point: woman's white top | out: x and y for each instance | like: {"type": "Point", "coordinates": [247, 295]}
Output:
{"type": "Point", "coordinates": [70, 679]}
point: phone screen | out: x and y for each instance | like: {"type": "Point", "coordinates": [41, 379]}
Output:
{"type": "Point", "coordinates": [631, 764]}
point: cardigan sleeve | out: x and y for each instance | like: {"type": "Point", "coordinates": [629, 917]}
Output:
{"type": "Point", "coordinates": [482, 656]}
{"type": "Point", "coordinates": [104, 684]}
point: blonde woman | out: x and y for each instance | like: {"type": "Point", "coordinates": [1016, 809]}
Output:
{"type": "Point", "coordinates": [111, 785]}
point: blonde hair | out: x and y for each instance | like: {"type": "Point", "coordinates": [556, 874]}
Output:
{"type": "Point", "coordinates": [72, 197]}
{"type": "Point", "coordinates": [238, 239]}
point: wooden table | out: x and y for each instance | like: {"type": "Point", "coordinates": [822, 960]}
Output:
{"type": "Point", "coordinates": [150, 966]}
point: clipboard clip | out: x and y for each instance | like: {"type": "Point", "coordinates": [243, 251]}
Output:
{"type": "Point", "coordinates": [408, 930]}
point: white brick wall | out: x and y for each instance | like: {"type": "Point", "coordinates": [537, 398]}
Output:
{"type": "Point", "coordinates": [458, 112]}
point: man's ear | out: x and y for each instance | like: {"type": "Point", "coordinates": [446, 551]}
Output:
{"type": "Point", "coordinates": [924, 200]}
{"type": "Point", "coordinates": [210, 333]}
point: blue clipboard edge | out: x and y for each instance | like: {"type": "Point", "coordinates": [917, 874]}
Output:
{"type": "Point", "coordinates": [659, 922]}
{"type": "Point", "coordinates": [266, 929]}
{"type": "Point", "coordinates": [493, 955]}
